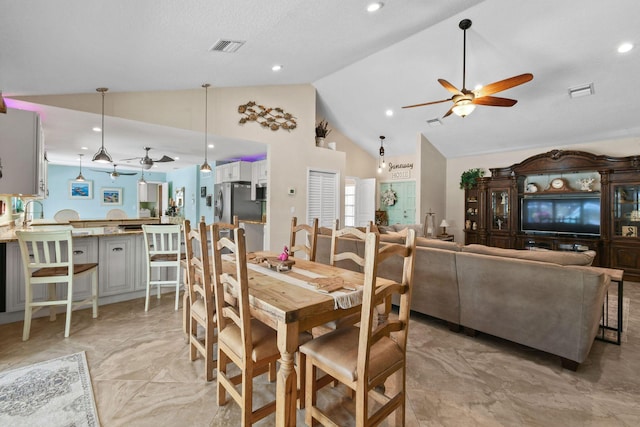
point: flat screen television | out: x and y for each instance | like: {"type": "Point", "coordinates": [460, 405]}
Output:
{"type": "Point", "coordinates": [563, 215]}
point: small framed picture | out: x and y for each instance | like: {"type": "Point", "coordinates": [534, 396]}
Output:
{"type": "Point", "coordinates": [111, 196]}
{"type": "Point", "coordinates": [81, 190]}
{"type": "Point", "coordinates": [203, 192]}
{"type": "Point", "coordinates": [209, 200]}
{"type": "Point", "coordinates": [630, 231]}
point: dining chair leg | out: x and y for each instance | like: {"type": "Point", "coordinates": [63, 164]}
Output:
{"type": "Point", "coordinates": [67, 325]}
{"type": "Point", "coordinates": [310, 394]}
{"type": "Point", "coordinates": [28, 310]}
{"type": "Point", "coordinates": [209, 362]}
{"type": "Point", "coordinates": [52, 297]}
{"type": "Point", "coordinates": [222, 371]}
{"type": "Point", "coordinates": [94, 292]}
{"type": "Point", "coordinates": [272, 372]}
{"type": "Point", "coordinates": [148, 293]}
{"type": "Point", "coordinates": [247, 395]}
{"type": "Point", "coordinates": [193, 334]}
{"type": "Point", "coordinates": [302, 360]}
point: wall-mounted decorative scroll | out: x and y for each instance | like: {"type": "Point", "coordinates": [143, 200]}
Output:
{"type": "Point", "coordinates": [270, 118]}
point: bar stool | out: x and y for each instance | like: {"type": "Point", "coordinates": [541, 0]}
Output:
{"type": "Point", "coordinates": [47, 258]}
{"type": "Point", "coordinates": [162, 244]}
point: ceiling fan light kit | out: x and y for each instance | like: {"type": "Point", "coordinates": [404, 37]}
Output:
{"type": "Point", "coordinates": [465, 100]}
{"type": "Point", "coordinates": [102, 156]}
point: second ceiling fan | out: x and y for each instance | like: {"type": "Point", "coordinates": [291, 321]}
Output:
{"type": "Point", "coordinates": [465, 100]}
{"type": "Point", "coordinates": [146, 162]}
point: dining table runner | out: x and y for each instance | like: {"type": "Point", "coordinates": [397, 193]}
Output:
{"type": "Point", "coordinates": [344, 298]}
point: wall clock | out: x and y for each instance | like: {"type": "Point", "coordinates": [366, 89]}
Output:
{"type": "Point", "coordinates": [558, 183]}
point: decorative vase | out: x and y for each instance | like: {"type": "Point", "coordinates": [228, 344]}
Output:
{"type": "Point", "coordinates": [320, 142]}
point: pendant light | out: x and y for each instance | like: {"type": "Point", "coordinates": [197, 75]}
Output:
{"type": "Point", "coordinates": [102, 156]}
{"type": "Point", "coordinates": [80, 177]}
{"type": "Point", "coordinates": [141, 181]}
{"type": "Point", "coordinates": [205, 168]}
{"type": "Point", "coordinates": [381, 163]}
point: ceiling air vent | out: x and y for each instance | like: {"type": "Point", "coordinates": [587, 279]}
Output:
{"type": "Point", "coordinates": [579, 91]}
{"type": "Point", "coordinates": [434, 122]}
{"type": "Point", "coordinates": [228, 46]}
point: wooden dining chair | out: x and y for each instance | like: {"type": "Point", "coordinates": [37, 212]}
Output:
{"type": "Point", "coordinates": [309, 233]}
{"type": "Point", "coordinates": [201, 296]}
{"type": "Point", "coordinates": [246, 342]}
{"type": "Point", "coordinates": [363, 358]}
{"type": "Point", "coordinates": [47, 259]}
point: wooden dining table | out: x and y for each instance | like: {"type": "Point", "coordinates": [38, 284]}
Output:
{"type": "Point", "coordinates": [290, 309]}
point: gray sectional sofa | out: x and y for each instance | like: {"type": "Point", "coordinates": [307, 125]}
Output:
{"type": "Point", "coordinates": [546, 300]}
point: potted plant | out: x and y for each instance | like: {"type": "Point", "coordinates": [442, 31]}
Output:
{"type": "Point", "coordinates": [469, 177]}
{"type": "Point", "coordinates": [322, 130]}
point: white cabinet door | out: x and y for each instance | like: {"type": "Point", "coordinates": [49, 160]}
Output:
{"type": "Point", "coordinates": [19, 155]}
{"type": "Point", "coordinates": [117, 264]}
{"type": "Point", "coordinates": [148, 192]}
{"type": "Point", "coordinates": [85, 250]}
{"type": "Point", "coordinates": [262, 172]}
{"type": "Point", "coordinates": [233, 172]}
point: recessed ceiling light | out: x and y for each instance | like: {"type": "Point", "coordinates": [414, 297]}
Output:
{"type": "Point", "coordinates": [96, 129]}
{"type": "Point", "coordinates": [176, 158]}
{"type": "Point", "coordinates": [625, 47]}
{"type": "Point", "coordinates": [210, 145]}
{"type": "Point", "coordinates": [373, 7]}
{"type": "Point", "coordinates": [84, 148]}
{"type": "Point", "coordinates": [389, 113]}
{"type": "Point", "coordinates": [276, 67]}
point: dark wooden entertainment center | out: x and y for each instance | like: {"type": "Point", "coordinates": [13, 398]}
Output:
{"type": "Point", "coordinates": [576, 182]}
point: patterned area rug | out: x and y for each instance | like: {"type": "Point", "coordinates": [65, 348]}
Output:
{"type": "Point", "coordinates": [54, 393]}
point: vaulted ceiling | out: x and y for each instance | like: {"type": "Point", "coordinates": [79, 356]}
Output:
{"type": "Point", "coordinates": [362, 64]}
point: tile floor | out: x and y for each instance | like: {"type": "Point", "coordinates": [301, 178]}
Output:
{"type": "Point", "coordinates": [142, 375]}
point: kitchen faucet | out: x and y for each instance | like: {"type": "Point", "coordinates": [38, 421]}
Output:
{"type": "Point", "coordinates": [25, 222]}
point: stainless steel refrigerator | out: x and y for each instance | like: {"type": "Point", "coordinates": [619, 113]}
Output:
{"type": "Point", "coordinates": [234, 198]}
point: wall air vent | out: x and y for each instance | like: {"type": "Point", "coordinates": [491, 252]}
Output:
{"type": "Point", "coordinates": [579, 91]}
{"type": "Point", "coordinates": [228, 46]}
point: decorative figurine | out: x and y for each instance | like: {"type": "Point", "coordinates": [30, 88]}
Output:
{"type": "Point", "coordinates": [585, 184]}
{"type": "Point", "coordinates": [284, 255]}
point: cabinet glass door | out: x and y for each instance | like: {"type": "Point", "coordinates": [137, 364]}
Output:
{"type": "Point", "coordinates": [500, 209]}
{"type": "Point", "coordinates": [626, 212]}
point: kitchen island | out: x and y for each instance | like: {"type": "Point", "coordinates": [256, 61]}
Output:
{"type": "Point", "coordinates": [113, 244]}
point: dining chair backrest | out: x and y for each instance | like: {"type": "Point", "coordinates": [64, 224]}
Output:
{"type": "Point", "coordinates": [237, 286]}
{"type": "Point", "coordinates": [310, 232]}
{"type": "Point", "coordinates": [336, 254]}
{"type": "Point", "coordinates": [226, 228]}
{"type": "Point", "coordinates": [64, 215]}
{"type": "Point", "coordinates": [370, 332]}
{"type": "Point", "coordinates": [200, 285]}
{"type": "Point", "coordinates": [116, 214]}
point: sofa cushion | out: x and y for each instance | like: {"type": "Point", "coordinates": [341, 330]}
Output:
{"type": "Point", "coordinates": [555, 257]}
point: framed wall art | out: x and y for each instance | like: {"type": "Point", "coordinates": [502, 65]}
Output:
{"type": "Point", "coordinates": [111, 196]}
{"type": "Point", "coordinates": [81, 190]}
{"type": "Point", "coordinates": [203, 192]}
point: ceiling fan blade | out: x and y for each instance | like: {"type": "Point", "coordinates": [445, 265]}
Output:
{"type": "Point", "coordinates": [448, 112]}
{"type": "Point", "coordinates": [132, 158]}
{"type": "Point", "coordinates": [427, 103]}
{"type": "Point", "coordinates": [127, 173]}
{"type": "Point", "coordinates": [503, 85]}
{"type": "Point", "coordinates": [448, 86]}
{"type": "Point", "coordinates": [164, 159]}
{"type": "Point", "coordinates": [494, 101]}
